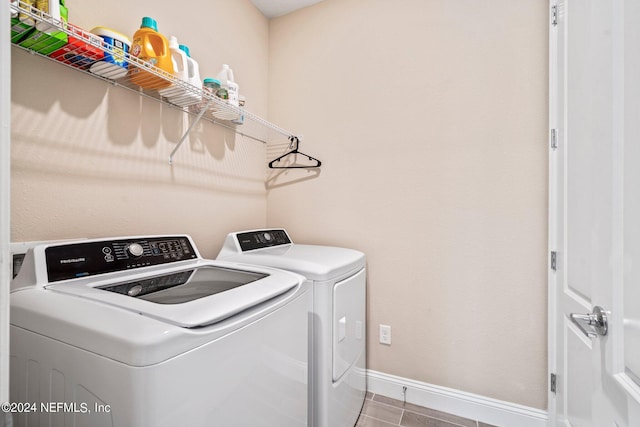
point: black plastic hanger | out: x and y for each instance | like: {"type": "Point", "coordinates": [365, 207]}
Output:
{"type": "Point", "coordinates": [295, 143]}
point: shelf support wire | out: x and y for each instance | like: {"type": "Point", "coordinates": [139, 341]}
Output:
{"type": "Point", "coordinates": [195, 122]}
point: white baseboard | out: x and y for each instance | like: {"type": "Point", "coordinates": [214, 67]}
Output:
{"type": "Point", "coordinates": [463, 404]}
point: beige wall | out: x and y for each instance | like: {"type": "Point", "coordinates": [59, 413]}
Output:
{"type": "Point", "coordinates": [90, 160]}
{"type": "Point", "coordinates": [430, 118]}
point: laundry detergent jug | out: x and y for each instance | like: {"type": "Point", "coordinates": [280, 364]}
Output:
{"type": "Point", "coordinates": [228, 85]}
{"type": "Point", "coordinates": [151, 47]}
{"type": "Point", "coordinates": [193, 94]}
{"type": "Point", "coordinates": [179, 62]}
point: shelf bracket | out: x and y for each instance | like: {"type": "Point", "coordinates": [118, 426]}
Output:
{"type": "Point", "coordinates": [195, 122]}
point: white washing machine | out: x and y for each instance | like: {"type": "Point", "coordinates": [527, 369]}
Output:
{"type": "Point", "coordinates": [338, 279]}
{"type": "Point", "coordinates": [141, 331]}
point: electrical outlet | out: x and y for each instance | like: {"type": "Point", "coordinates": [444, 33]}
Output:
{"type": "Point", "coordinates": [385, 334]}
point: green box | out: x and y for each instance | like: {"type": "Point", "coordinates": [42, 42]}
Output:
{"type": "Point", "coordinates": [19, 30]}
{"type": "Point", "coordinates": [45, 43]}
{"type": "Point", "coordinates": [48, 42]}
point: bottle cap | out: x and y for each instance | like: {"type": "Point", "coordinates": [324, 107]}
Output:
{"type": "Point", "coordinates": [185, 49]}
{"type": "Point", "coordinates": [149, 23]}
{"type": "Point", "coordinates": [212, 81]}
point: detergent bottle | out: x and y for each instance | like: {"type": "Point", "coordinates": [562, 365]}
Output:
{"type": "Point", "coordinates": [228, 85]}
{"type": "Point", "coordinates": [193, 95]}
{"type": "Point", "coordinates": [24, 18]}
{"type": "Point", "coordinates": [151, 47]}
{"type": "Point", "coordinates": [179, 61]}
{"type": "Point", "coordinates": [227, 81]}
{"type": "Point", "coordinates": [49, 7]}
{"type": "Point", "coordinates": [13, 5]}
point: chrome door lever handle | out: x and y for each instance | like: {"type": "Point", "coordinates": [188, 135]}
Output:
{"type": "Point", "coordinates": [592, 325]}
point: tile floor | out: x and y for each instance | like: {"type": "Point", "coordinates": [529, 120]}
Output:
{"type": "Point", "coordinates": [381, 411]}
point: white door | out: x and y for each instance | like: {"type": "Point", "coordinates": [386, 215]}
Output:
{"type": "Point", "coordinates": [595, 212]}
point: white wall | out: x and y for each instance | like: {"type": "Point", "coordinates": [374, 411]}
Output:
{"type": "Point", "coordinates": [91, 160]}
{"type": "Point", "coordinates": [430, 118]}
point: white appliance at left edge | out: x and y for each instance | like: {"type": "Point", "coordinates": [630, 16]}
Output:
{"type": "Point", "coordinates": [142, 331]}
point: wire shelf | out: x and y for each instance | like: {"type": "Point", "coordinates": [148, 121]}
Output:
{"type": "Point", "coordinates": [81, 50]}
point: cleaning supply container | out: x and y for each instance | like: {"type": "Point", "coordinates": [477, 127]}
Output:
{"type": "Point", "coordinates": [152, 48]}
{"type": "Point", "coordinates": [19, 29]}
{"type": "Point", "coordinates": [228, 84]}
{"type": "Point", "coordinates": [23, 17]}
{"type": "Point", "coordinates": [210, 86]}
{"type": "Point", "coordinates": [179, 61]}
{"type": "Point", "coordinates": [77, 52]}
{"type": "Point", "coordinates": [192, 95]}
{"type": "Point", "coordinates": [47, 38]}
{"type": "Point", "coordinates": [53, 8]}
{"type": "Point", "coordinates": [114, 65]}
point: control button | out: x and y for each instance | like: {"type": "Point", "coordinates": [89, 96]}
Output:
{"type": "Point", "coordinates": [135, 249]}
{"type": "Point", "coordinates": [109, 258]}
{"type": "Point", "coordinates": [106, 250]}
{"type": "Point", "coordinates": [267, 236]}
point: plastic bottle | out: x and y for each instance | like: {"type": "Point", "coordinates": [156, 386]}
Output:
{"type": "Point", "coordinates": [210, 86]}
{"type": "Point", "coordinates": [228, 82]}
{"type": "Point", "coordinates": [24, 18]}
{"type": "Point", "coordinates": [231, 88]}
{"type": "Point", "coordinates": [192, 73]}
{"type": "Point", "coordinates": [151, 47]}
{"type": "Point", "coordinates": [179, 61]}
{"type": "Point", "coordinates": [13, 5]}
{"type": "Point", "coordinates": [194, 68]}
{"type": "Point", "coordinates": [52, 8]}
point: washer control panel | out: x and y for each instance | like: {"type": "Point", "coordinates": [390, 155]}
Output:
{"type": "Point", "coordinates": [259, 239]}
{"type": "Point", "coordinates": [82, 259]}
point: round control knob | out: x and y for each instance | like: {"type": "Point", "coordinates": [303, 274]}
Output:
{"type": "Point", "coordinates": [135, 249]}
{"type": "Point", "coordinates": [267, 236]}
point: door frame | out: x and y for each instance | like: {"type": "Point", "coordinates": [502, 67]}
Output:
{"type": "Point", "coordinates": [5, 198]}
{"type": "Point", "coordinates": [552, 212]}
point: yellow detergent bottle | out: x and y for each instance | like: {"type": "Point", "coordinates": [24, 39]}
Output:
{"type": "Point", "coordinates": [151, 47]}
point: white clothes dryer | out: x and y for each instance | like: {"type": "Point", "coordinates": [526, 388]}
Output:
{"type": "Point", "coordinates": [142, 331]}
{"type": "Point", "coordinates": [338, 279]}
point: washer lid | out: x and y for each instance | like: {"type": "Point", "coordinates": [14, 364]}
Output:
{"type": "Point", "coordinates": [188, 297]}
{"type": "Point", "coordinates": [314, 262]}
